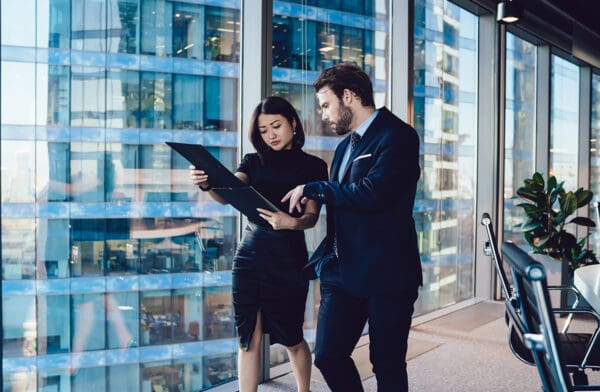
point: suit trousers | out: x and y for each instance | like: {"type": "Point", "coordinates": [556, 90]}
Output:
{"type": "Point", "coordinates": [341, 320]}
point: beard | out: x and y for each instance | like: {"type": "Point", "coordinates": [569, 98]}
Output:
{"type": "Point", "coordinates": [345, 117]}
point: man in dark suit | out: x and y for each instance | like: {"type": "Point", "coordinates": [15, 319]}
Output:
{"type": "Point", "coordinates": [369, 262]}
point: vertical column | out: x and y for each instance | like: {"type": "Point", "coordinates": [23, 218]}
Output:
{"type": "Point", "coordinates": [542, 132]}
{"type": "Point", "coordinates": [255, 62]}
{"type": "Point", "coordinates": [585, 125]}
{"type": "Point", "coordinates": [401, 63]}
{"type": "Point", "coordinates": [490, 145]}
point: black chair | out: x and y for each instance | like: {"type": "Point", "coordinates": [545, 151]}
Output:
{"type": "Point", "coordinates": [533, 320]}
{"type": "Point", "coordinates": [579, 359]}
{"type": "Point", "coordinates": [491, 249]}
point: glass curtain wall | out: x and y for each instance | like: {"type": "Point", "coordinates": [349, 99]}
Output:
{"type": "Point", "coordinates": [595, 161]}
{"type": "Point", "coordinates": [308, 37]}
{"type": "Point", "coordinates": [519, 130]}
{"type": "Point", "coordinates": [115, 269]}
{"type": "Point", "coordinates": [445, 116]}
{"type": "Point", "coordinates": [564, 122]}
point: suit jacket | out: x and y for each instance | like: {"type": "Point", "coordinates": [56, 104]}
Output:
{"type": "Point", "coordinates": [370, 210]}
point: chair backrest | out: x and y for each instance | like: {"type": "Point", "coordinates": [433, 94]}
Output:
{"type": "Point", "coordinates": [492, 246]}
{"type": "Point", "coordinates": [533, 319]}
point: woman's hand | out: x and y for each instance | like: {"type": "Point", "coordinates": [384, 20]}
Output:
{"type": "Point", "coordinates": [277, 220]}
{"type": "Point", "coordinates": [198, 177]}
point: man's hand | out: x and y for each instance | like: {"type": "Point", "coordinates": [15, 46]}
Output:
{"type": "Point", "coordinates": [296, 199]}
{"type": "Point", "coordinates": [277, 220]}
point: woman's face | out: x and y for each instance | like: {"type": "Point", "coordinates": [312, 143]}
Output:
{"type": "Point", "coordinates": [276, 131]}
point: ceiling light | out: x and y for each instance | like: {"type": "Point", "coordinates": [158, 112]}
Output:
{"type": "Point", "coordinates": [509, 11]}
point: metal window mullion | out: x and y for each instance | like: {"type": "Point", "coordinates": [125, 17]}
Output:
{"type": "Point", "coordinates": [542, 131]}
{"type": "Point", "coordinates": [585, 124]}
{"type": "Point", "coordinates": [401, 63]}
{"type": "Point", "coordinates": [490, 144]}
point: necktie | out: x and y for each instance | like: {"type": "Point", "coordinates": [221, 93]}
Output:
{"type": "Point", "coordinates": [354, 139]}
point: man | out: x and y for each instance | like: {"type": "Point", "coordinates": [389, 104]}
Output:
{"type": "Point", "coordinates": [369, 262]}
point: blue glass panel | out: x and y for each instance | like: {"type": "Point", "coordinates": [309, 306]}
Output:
{"type": "Point", "coordinates": [17, 288]}
{"type": "Point", "coordinates": [54, 56]}
{"type": "Point", "coordinates": [88, 285]}
{"type": "Point", "coordinates": [17, 53]}
{"type": "Point", "coordinates": [18, 210]}
{"type": "Point", "coordinates": [187, 280]}
{"type": "Point", "coordinates": [53, 286]}
{"type": "Point", "coordinates": [155, 353]}
{"type": "Point", "coordinates": [122, 283]}
{"type": "Point", "coordinates": [155, 282]}
{"type": "Point", "coordinates": [18, 132]}
{"type": "Point", "coordinates": [123, 61]}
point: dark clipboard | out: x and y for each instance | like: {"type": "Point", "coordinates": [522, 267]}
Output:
{"type": "Point", "coordinates": [197, 155]}
{"type": "Point", "coordinates": [242, 197]}
{"type": "Point", "coordinates": [246, 200]}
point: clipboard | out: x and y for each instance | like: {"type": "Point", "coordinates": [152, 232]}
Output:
{"type": "Point", "coordinates": [197, 155]}
{"type": "Point", "coordinates": [241, 196]}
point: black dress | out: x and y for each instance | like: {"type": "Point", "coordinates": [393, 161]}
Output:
{"type": "Point", "coordinates": [267, 266]}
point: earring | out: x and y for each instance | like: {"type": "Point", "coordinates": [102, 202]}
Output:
{"type": "Point", "coordinates": [294, 132]}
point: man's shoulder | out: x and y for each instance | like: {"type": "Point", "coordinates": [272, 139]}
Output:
{"type": "Point", "coordinates": [390, 124]}
{"type": "Point", "coordinates": [389, 118]}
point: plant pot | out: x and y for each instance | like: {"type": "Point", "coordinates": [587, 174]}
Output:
{"type": "Point", "coordinates": [558, 273]}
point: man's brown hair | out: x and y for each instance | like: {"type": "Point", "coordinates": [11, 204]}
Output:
{"type": "Point", "coordinates": [347, 76]}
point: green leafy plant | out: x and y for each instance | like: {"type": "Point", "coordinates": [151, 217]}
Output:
{"type": "Point", "coordinates": [544, 228]}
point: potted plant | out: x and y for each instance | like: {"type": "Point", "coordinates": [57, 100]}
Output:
{"type": "Point", "coordinates": [549, 209]}
{"type": "Point", "coordinates": [545, 227]}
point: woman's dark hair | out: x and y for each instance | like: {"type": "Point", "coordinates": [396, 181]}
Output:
{"type": "Point", "coordinates": [275, 105]}
{"type": "Point", "coordinates": [347, 76]}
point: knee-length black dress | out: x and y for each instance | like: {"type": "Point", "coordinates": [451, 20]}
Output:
{"type": "Point", "coordinates": [267, 266]}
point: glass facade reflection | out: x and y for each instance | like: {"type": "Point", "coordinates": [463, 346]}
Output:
{"type": "Point", "coordinates": [115, 272]}
{"type": "Point", "coordinates": [564, 121]}
{"type": "Point", "coordinates": [445, 116]}
{"type": "Point", "coordinates": [519, 131]}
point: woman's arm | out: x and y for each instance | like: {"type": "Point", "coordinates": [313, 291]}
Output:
{"type": "Point", "coordinates": [281, 220]}
{"type": "Point", "coordinates": [200, 179]}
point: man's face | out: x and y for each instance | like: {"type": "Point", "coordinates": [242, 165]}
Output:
{"type": "Point", "coordinates": [334, 112]}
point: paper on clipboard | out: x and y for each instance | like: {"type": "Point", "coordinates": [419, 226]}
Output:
{"type": "Point", "coordinates": [242, 197]}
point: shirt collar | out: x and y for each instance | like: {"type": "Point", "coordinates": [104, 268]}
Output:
{"type": "Point", "coordinates": [362, 128]}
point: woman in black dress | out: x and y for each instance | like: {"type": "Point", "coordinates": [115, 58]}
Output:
{"type": "Point", "coordinates": [269, 292]}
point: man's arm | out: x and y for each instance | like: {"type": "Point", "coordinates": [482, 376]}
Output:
{"type": "Point", "coordinates": [396, 164]}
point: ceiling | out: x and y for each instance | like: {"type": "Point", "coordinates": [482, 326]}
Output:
{"type": "Point", "coordinates": [585, 12]}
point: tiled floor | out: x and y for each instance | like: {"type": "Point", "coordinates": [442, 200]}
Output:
{"type": "Point", "coordinates": [464, 351]}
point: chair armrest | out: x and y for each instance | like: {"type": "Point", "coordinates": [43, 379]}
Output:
{"type": "Point", "coordinates": [589, 311]}
{"type": "Point", "coordinates": [567, 288]}
{"type": "Point", "coordinates": [575, 303]}
{"type": "Point", "coordinates": [594, 338]}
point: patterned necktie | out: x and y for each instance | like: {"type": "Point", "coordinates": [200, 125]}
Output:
{"type": "Point", "coordinates": [354, 139]}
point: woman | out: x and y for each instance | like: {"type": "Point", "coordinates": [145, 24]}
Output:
{"type": "Point", "coordinates": [269, 292]}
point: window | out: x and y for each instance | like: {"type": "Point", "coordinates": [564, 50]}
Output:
{"type": "Point", "coordinates": [445, 110]}
{"type": "Point", "coordinates": [594, 161]}
{"type": "Point", "coordinates": [519, 131]}
{"type": "Point", "coordinates": [564, 122]}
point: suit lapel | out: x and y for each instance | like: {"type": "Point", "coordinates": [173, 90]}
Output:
{"type": "Point", "coordinates": [337, 159]}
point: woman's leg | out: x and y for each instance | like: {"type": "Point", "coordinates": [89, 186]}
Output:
{"type": "Point", "coordinates": [301, 365]}
{"type": "Point", "coordinates": [249, 361]}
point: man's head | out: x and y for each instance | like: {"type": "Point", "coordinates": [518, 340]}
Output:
{"type": "Point", "coordinates": [343, 91]}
